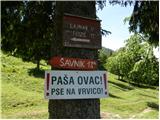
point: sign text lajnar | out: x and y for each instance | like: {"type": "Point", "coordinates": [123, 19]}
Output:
{"type": "Point", "coordinates": [75, 84]}
{"type": "Point", "coordinates": [81, 32]}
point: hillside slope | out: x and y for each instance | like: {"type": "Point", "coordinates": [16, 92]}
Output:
{"type": "Point", "coordinates": [23, 97]}
{"type": "Point", "coordinates": [22, 89]}
{"type": "Point", "coordinates": [128, 101]}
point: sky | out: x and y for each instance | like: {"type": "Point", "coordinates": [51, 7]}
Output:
{"type": "Point", "coordinates": [112, 20]}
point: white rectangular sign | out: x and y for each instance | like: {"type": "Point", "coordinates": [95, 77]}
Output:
{"type": "Point", "coordinates": [75, 84]}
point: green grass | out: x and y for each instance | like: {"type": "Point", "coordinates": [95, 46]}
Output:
{"type": "Point", "coordinates": [126, 101]}
{"type": "Point", "coordinates": [22, 94]}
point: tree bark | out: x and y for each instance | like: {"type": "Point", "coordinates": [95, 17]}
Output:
{"type": "Point", "coordinates": [75, 108]}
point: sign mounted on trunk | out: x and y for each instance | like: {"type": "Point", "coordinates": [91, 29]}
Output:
{"type": "Point", "coordinates": [73, 63]}
{"type": "Point", "coordinates": [81, 32]}
{"type": "Point", "coordinates": [75, 84]}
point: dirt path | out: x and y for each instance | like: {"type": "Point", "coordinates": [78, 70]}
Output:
{"type": "Point", "coordinates": [141, 113]}
{"type": "Point", "coordinates": [106, 115]}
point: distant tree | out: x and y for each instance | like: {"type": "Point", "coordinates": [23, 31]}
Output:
{"type": "Point", "coordinates": [112, 66]}
{"type": "Point", "coordinates": [103, 55]}
{"type": "Point", "coordinates": [146, 70]}
{"type": "Point", "coordinates": [133, 47]}
{"type": "Point", "coordinates": [119, 63]}
{"type": "Point", "coordinates": [136, 62]}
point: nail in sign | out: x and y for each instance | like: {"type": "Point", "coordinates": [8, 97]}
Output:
{"type": "Point", "coordinates": [73, 63]}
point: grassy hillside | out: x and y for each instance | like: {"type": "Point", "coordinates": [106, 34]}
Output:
{"type": "Point", "coordinates": [22, 89]}
{"type": "Point", "coordinates": [126, 101]}
{"type": "Point", "coordinates": [22, 94]}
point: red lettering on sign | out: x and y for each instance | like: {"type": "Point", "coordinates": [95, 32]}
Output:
{"type": "Point", "coordinates": [73, 63]}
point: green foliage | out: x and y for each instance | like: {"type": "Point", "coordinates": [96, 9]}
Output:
{"type": "Point", "coordinates": [30, 29]}
{"type": "Point", "coordinates": [105, 32]}
{"type": "Point", "coordinates": [145, 71]}
{"type": "Point", "coordinates": [101, 4]}
{"type": "Point", "coordinates": [145, 20]}
{"type": "Point", "coordinates": [121, 2]}
{"type": "Point", "coordinates": [136, 62]}
{"type": "Point", "coordinates": [119, 64]}
{"type": "Point", "coordinates": [103, 55]}
{"type": "Point", "coordinates": [10, 18]}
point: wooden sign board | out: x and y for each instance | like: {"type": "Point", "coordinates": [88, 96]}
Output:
{"type": "Point", "coordinates": [81, 32]}
{"type": "Point", "coordinates": [73, 63]}
{"type": "Point", "coordinates": [75, 84]}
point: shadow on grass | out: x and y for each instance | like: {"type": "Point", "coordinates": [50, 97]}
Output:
{"type": "Point", "coordinates": [147, 95]}
{"type": "Point", "coordinates": [140, 85]}
{"type": "Point", "coordinates": [143, 86]}
{"type": "Point", "coordinates": [36, 72]}
{"type": "Point", "coordinates": [122, 86]}
{"type": "Point", "coordinates": [114, 96]}
{"type": "Point", "coordinates": [153, 105]}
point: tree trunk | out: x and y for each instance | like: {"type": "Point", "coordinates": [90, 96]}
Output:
{"type": "Point", "coordinates": [118, 77]}
{"type": "Point", "coordinates": [78, 108]}
{"type": "Point", "coordinates": [38, 64]}
{"type": "Point", "coordinates": [74, 109]}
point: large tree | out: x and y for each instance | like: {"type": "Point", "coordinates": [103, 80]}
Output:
{"type": "Point", "coordinates": [27, 29]}
{"type": "Point", "coordinates": [38, 22]}
{"type": "Point", "coordinates": [80, 108]}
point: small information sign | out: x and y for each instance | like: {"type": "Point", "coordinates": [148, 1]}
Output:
{"type": "Point", "coordinates": [75, 84]}
{"type": "Point", "coordinates": [81, 32]}
{"type": "Point", "coordinates": [73, 63]}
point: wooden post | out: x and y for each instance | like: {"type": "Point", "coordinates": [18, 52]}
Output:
{"type": "Point", "coordinates": [79, 108]}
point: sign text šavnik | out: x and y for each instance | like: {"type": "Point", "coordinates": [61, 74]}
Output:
{"type": "Point", "coordinates": [73, 63]}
